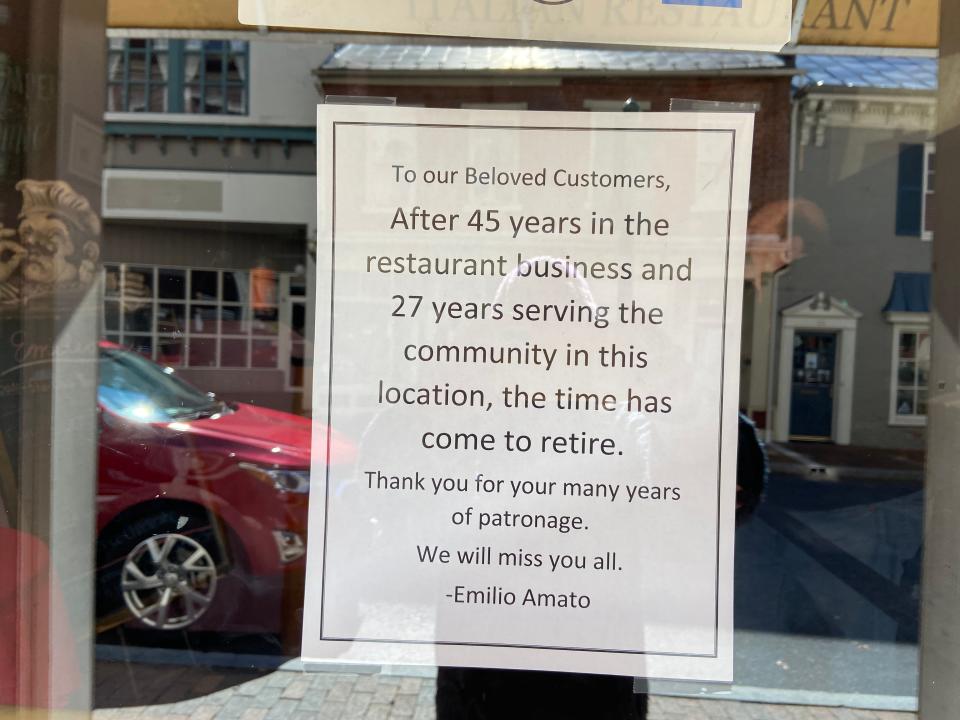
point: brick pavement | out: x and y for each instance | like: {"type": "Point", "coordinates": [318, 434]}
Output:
{"type": "Point", "coordinates": [167, 692]}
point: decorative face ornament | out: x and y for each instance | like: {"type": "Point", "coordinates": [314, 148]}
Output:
{"type": "Point", "coordinates": [58, 237]}
{"type": "Point", "coordinates": [46, 239]}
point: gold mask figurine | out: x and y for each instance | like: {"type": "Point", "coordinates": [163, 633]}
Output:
{"type": "Point", "coordinates": [55, 245]}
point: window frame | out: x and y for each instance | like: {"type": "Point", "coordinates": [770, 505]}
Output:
{"type": "Point", "coordinates": [927, 188]}
{"type": "Point", "coordinates": [225, 53]}
{"type": "Point", "coordinates": [905, 323]}
{"type": "Point", "coordinates": [287, 300]}
{"type": "Point", "coordinates": [152, 48]}
{"type": "Point", "coordinates": [122, 336]}
{"type": "Point", "coordinates": [176, 83]}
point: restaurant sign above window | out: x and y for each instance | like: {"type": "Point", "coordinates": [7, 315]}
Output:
{"type": "Point", "coordinates": [871, 24]}
{"type": "Point", "coordinates": [741, 24]}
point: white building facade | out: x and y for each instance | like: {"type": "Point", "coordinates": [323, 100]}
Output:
{"type": "Point", "coordinates": [210, 206]}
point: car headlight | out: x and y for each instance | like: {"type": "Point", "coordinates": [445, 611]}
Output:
{"type": "Point", "coordinates": [286, 481]}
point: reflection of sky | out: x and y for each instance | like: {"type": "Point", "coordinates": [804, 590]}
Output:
{"type": "Point", "coordinates": [130, 404]}
{"type": "Point", "coordinates": [888, 72]}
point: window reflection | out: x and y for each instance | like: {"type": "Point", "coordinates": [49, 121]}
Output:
{"type": "Point", "coordinates": [224, 310]}
{"type": "Point", "coordinates": [209, 270]}
{"type": "Point", "coordinates": [178, 76]}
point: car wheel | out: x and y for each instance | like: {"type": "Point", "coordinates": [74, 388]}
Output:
{"type": "Point", "coordinates": [168, 581]}
{"type": "Point", "coordinates": [161, 569]}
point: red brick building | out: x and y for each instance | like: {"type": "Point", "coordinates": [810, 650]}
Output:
{"type": "Point", "coordinates": [568, 79]}
{"type": "Point", "coordinates": [545, 78]}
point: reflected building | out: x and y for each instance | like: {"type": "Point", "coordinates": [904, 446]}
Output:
{"type": "Point", "coordinates": [853, 350]}
{"type": "Point", "coordinates": [209, 199]}
{"type": "Point", "coordinates": [209, 206]}
{"type": "Point", "coordinates": [210, 209]}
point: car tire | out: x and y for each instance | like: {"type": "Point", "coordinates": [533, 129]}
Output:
{"type": "Point", "coordinates": [160, 568]}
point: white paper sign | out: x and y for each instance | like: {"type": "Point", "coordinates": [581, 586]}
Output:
{"type": "Point", "coordinates": [528, 325]}
{"type": "Point", "coordinates": [725, 24]}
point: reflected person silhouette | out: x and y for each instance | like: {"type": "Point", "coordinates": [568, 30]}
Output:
{"type": "Point", "coordinates": [481, 693]}
{"type": "Point", "coordinates": [494, 693]}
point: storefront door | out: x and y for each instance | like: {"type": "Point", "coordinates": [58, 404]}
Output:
{"type": "Point", "coordinates": [811, 406]}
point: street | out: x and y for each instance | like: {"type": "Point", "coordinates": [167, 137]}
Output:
{"type": "Point", "coordinates": [827, 587]}
{"type": "Point", "coordinates": [826, 608]}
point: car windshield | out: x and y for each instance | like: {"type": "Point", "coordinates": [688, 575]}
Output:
{"type": "Point", "coordinates": [138, 389]}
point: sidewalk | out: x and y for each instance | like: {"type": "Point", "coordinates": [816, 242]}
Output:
{"type": "Point", "coordinates": [126, 690]}
{"type": "Point", "coordinates": [827, 461]}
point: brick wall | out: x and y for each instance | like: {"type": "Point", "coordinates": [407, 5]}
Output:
{"type": "Point", "coordinates": [772, 134]}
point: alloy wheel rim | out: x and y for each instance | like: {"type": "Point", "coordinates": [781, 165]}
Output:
{"type": "Point", "coordinates": [168, 581]}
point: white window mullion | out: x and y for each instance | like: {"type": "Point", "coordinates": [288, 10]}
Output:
{"type": "Point", "coordinates": [926, 233]}
{"type": "Point", "coordinates": [188, 331]}
{"type": "Point", "coordinates": [915, 418]}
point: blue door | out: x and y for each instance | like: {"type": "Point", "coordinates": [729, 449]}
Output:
{"type": "Point", "coordinates": [811, 398]}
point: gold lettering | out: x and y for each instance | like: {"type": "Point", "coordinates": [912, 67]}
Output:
{"type": "Point", "coordinates": [893, 11]}
{"type": "Point", "coordinates": [865, 17]}
{"type": "Point", "coordinates": [828, 12]}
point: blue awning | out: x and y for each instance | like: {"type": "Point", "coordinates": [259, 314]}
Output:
{"type": "Point", "coordinates": [910, 293]}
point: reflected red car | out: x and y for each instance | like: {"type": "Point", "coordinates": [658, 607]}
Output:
{"type": "Point", "coordinates": [201, 504]}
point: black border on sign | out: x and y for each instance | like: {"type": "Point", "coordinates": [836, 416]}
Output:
{"type": "Point", "coordinates": [723, 340]}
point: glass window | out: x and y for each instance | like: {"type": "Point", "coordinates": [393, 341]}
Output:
{"type": "Point", "coordinates": [192, 358]}
{"type": "Point", "coordinates": [206, 77]}
{"type": "Point", "coordinates": [139, 390]}
{"type": "Point", "coordinates": [911, 369]}
{"type": "Point", "coordinates": [211, 328]}
{"type": "Point", "coordinates": [929, 170]}
{"type": "Point", "coordinates": [215, 77]}
{"type": "Point", "coordinates": [138, 75]}
{"type": "Point", "coordinates": [172, 283]}
{"type": "Point", "coordinates": [204, 285]}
